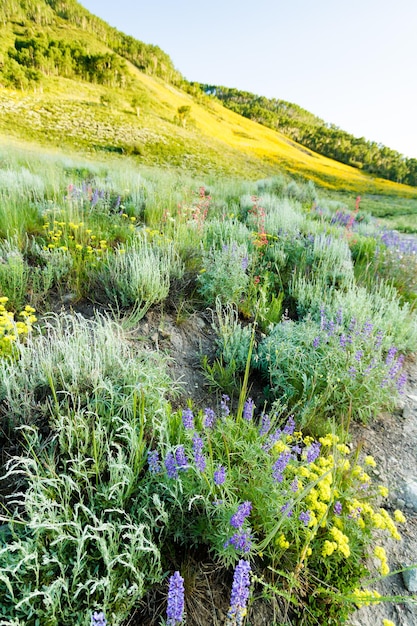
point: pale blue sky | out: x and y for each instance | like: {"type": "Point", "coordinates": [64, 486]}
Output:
{"type": "Point", "coordinates": [352, 63]}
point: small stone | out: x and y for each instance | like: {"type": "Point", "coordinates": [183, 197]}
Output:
{"type": "Point", "coordinates": [400, 503]}
{"type": "Point", "coordinates": [410, 579]}
{"type": "Point", "coordinates": [411, 494]}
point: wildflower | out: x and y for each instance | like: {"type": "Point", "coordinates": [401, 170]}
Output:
{"type": "Point", "coordinates": [272, 439]}
{"type": "Point", "coordinates": [390, 356]}
{"type": "Point", "coordinates": [241, 514]}
{"type": "Point", "coordinates": [224, 406]}
{"type": "Point", "coordinates": [199, 458]}
{"type": "Point", "coordinates": [175, 607]}
{"type": "Point", "coordinates": [289, 426]}
{"type": "Point", "coordinates": [352, 372]}
{"type": "Point", "coordinates": [180, 458]}
{"type": "Point", "coordinates": [248, 409]}
{"type": "Point", "coordinates": [369, 460]}
{"type": "Point", "coordinates": [359, 355]}
{"type": "Point", "coordinates": [240, 593]}
{"type": "Point", "coordinates": [171, 466]}
{"type": "Point", "coordinates": [316, 342]}
{"type": "Point", "coordinates": [387, 622]}
{"type": "Point", "coordinates": [265, 425]}
{"type": "Point", "coordinates": [295, 485]}
{"type": "Point", "coordinates": [337, 508]}
{"type": "Point", "coordinates": [286, 509]}
{"type": "Point", "coordinates": [280, 465]}
{"type": "Point", "coordinates": [153, 462]}
{"type": "Point", "coordinates": [98, 619]}
{"type": "Point", "coordinates": [188, 419]}
{"type": "Point", "coordinates": [209, 418]}
{"type": "Point", "coordinates": [313, 452]}
{"type": "Point", "coordinates": [304, 517]}
{"type": "Point", "coordinates": [219, 475]}
{"type": "Point", "coordinates": [383, 491]}
{"type": "Point", "coordinates": [399, 516]}
{"type": "Point", "coordinates": [241, 541]}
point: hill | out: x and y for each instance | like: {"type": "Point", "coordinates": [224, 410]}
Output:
{"type": "Point", "coordinates": [72, 81]}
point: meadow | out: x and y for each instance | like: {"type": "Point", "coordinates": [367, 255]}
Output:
{"type": "Point", "coordinates": [119, 490]}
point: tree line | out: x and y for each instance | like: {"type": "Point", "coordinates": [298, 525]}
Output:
{"type": "Point", "coordinates": [312, 132]}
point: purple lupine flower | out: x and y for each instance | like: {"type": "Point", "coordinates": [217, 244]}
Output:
{"type": "Point", "coordinates": [98, 619]}
{"type": "Point", "coordinates": [330, 328]}
{"type": "Point", "coordinates": [209, 418]}
{"type": "Point", "coordinates": [296, 450]}
{"type": "Point", "coordinates": [289, 426]}
{"type": "Point", "coordinates": [241, 514]}
{"type": "Point", "coordinates": [219, 475]}
{"type": "Point", "coordinates": [272, 439]}
{"type": "Point", "coordinates": [240, 593]}
{"type": "Point", "coordinates": [342, 341]}
{"type": "Point", "coordinates": [245, 263]}
{"type": "Point", "coordinates": [224, 405]}
{"type": "Point", "coordinates": [171, 466]}
{"type": "Point", "coordinates": [188, 419]}
{"type": "Point", "coordinates": [322, 318]}
{"type": "Point", "coordinates": [241, 541]}
{"type": "Point", "coordinates": [316, 342]}
{"type": "Point", "coordinates": [379, 338]}
{"type": "Point", "coordinates": [352, 324]}
{"type": "Point", "coordinates": [199, 458]}
{"type": "Point", "coordinates": [391, 354]}
{"type": "Point", "coordinates": [337, 508]}
{"type": "Point", "coordinates": [154, 462]}
{"type": "Point", "coordinates": [117, 203]}
{"type": "Point", "coordinates": [286, 509]}
{"type": "Point", "coordinates": [396, 367]}
{"type": "Point", "coordinates": [313, 452]}
{"type": "Point", "coordinates": [248, 409]}
{"type": "Point", "coordinates": [175, 606]}
{"type": "Point", "coordinates": [265, 424]}
{"type": "Point", "coordinates": [181, 459]}
{"type": "Point", "coordinates": [359, 355]}
{"type": "Point", "coordinates": [95, 198]}
{"type": "Point", "coordinates": [352, 372]}
{"type": "Point", "coordinates": [280, 465]}
{"type": "Point", "coordinates": [294, 485]}
{"type": "Point", "coordinates": [367, 328]}
{"type": "Point", "coordinates": [402, 379]}
{"type": "Point", "coordinates": [305, 517]}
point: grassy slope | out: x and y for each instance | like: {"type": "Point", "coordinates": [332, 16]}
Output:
{"type": "Point", "coordinates": [68, 114]}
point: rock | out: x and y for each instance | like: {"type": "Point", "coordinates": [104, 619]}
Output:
{"type": "Point", "coordinates": [410, 579]}
{"type": "Point", "coordinates": [411, 494]}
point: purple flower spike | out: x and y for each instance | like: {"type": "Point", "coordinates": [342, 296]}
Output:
{"type": "Point", "coordinates": [171, 466]}
{"type": "Point", "coordinates": [219, 475]}
{"type": "Point", "coordinates": [241, 541]}
{"type": "Point", "coordinates": [98, 619]}
{"type": "Point", "coordinates": [241, 514]}
{"type": "Point", "coordinates": [313, 452]}
{"type": "Point", "coordinates": [209, 418]}
{"type": "Point", "coordinates": [199, 458]}
{"type": "Point", "coordinates": [280, 465]}
{"type": "Point", "coordinates": [175, 608]}
{"type": "Point", "coordinates": [304, 517]}
{"type": "Point", "coordinates": [224, 405]}
{"type": "Point", "coordinates": [337, 508]}
{"type": "Point", "coordinates": [248, 409]}
{"type": "Point", "coordinates": [240, 593]}
{"type": "Point", "coordinates": [188, 419]}
{"type": "Point", "coordinates": [265, 425]}
{"type": "Point", "coordinates": [316, 342]}
{"type": "Point", "coordinates": [289, 426]}
{"type": "Point", "coordinates": [180, 458]}
{"type": "Point", "coordinates": [153, 462]}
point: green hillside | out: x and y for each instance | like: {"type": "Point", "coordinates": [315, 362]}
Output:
{"type": "Point", "coordinates": [70, 80]}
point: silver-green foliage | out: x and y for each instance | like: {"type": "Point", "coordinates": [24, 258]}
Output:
{"type": "Point", "coordinates": [81, 535]}
{"type": "Point", "coordinates": [138, 275]}
{"type": "Point", "coordinates": [224, 273]}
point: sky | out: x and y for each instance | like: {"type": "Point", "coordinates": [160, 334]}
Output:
{"type": "Point", "coordinates": [352, 63]}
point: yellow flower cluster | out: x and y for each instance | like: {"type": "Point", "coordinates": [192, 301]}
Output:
{"type": "Point", "coordinates": [380, 554]}
{"type": "Point", "coordinates": [365, 597]}
{"type": "Point", "coordinates": [282, 542]}
{"type": "Point", "coordinates": [75, 237]}
{"type": "Point", "coordinates": [340, 542]}
{"type": "Point", "coordinates": [10, 329]}
{"type": "Point", "coordinates": [387, 622]}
